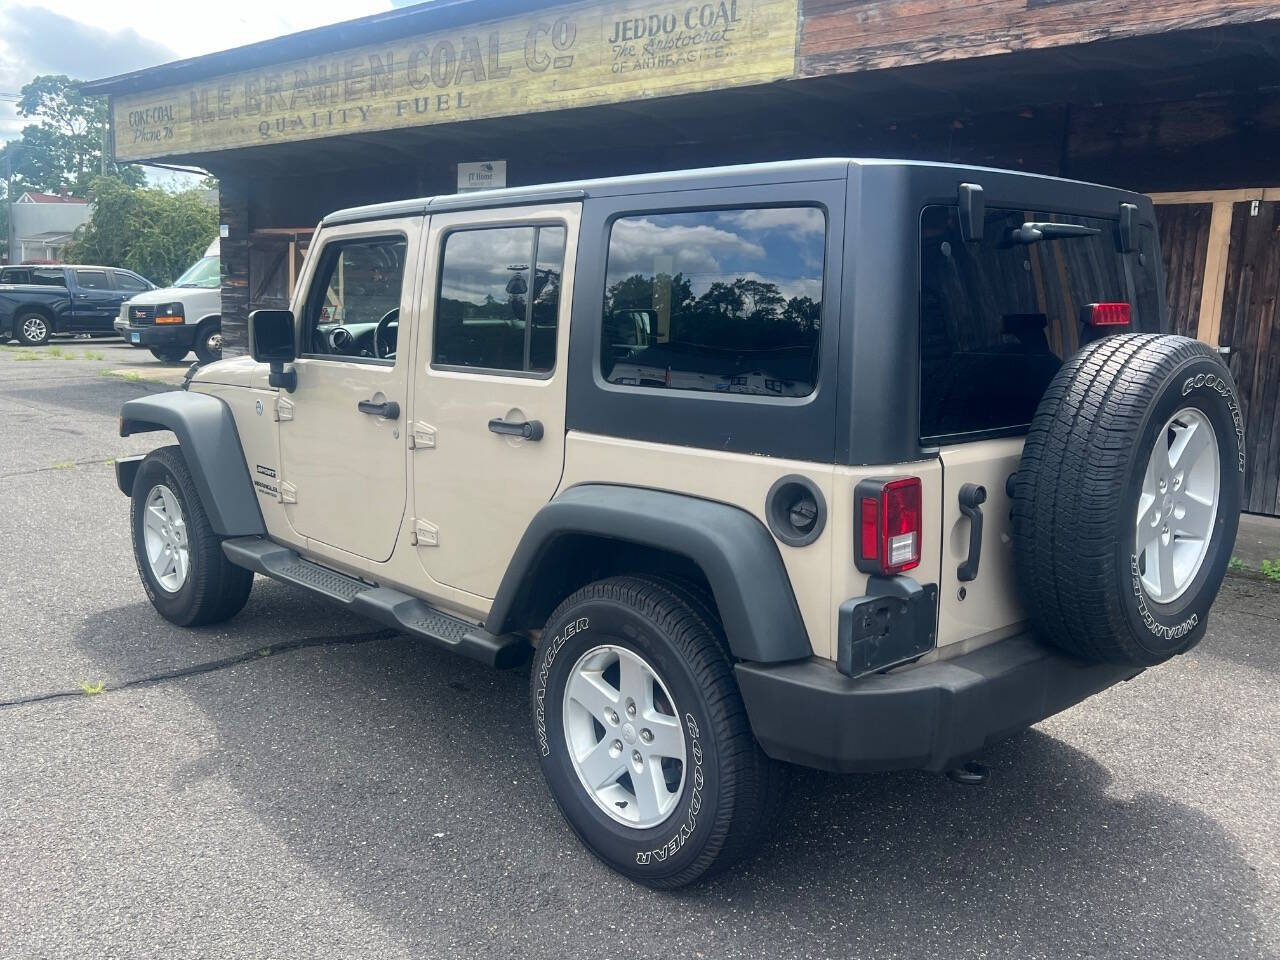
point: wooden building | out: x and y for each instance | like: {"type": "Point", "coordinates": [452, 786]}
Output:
{"type": "Point", "coordinates": [1179, 98]}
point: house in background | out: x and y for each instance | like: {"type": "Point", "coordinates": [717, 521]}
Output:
{"type": "Point", "coordinates": [41, 224]}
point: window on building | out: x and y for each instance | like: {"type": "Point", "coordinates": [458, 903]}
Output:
{"type": "Point", "coordinates": [726, 301]}
{"type": "Point", "coordinates": [353, 307]}
{"type": "Point", "coordinates": [93, 280]}
{"type": "Point", "coordinates": [499, 299]}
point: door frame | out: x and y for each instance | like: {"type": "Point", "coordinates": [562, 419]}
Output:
{"type": "Point", "coordinates": [1213, 287]}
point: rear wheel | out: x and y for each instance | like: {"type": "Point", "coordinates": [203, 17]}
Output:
{"type": "Point", "coordinates": [169, 354]}
{"type": "Point", "coordinates": [179, 556]}
{"type": "Point", "coordinates": [32, 329]}
{"type": "Point", "coordinates": [1128, 497]}
{"type": "Point", "coordinates": [642, 735]}
{"type": "Point", "coordinates": [208, 342]}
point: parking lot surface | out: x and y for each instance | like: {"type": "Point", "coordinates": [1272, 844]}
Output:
{"type": "Point", "coordinates": [297, 783]}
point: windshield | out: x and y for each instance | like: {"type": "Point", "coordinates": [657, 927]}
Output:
{"type": "Point", "coordinates": [999, 316]}
{"type": "Point", "coordinates": [205, 272]}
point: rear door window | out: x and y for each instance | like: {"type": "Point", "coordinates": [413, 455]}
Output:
{"type": "Point", "coordinates": [724, 301]}
{"type": "Point", "coordinates": [93, 279]}
{"type": "Point", "coordinates": [500, 299]}
{"type": "Point", "coordinates": [998, 317]}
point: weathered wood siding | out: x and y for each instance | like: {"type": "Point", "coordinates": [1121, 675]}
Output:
{"type": "Point", "coordinates": [839, 36]}
{"type": "Point", "coordinates": [1251, 328]}
{"type": "Point", "coordinates": [1184, 239]}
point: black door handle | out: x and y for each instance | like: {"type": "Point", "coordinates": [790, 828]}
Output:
{"type": "Point", "coordinates": [527, 429]}
{"type": "Point", "coordinates": [388, 409]}
{"type": "Point", "coordinates": [972, 497]}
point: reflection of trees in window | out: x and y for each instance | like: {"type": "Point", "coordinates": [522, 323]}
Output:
{"type": "Point", "coordinates": [739, 336]}
{"type": "Point", "coordinates": [744, 314]}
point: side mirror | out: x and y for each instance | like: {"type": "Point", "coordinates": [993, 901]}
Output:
{"type": "Point", "coordinates": [271, 341]}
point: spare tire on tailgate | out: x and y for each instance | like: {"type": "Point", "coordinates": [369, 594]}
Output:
{"type": "Point", "coordinates": [1127, 498]}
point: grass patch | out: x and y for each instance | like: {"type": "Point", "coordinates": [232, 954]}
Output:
{"type": "Point", "coordinates": [1271, 570]}
{"type": "Point", "coordinates": [54, 351]}
{"type": "Point", "coordinates": [92, 689]}
{"type": "Point", "coordinates": [1236, 564]}
{"type": "Point", "coordinates": [94, 355]}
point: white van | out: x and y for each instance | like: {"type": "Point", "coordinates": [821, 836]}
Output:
{"type": "Point", "coordinates": [173, 321]}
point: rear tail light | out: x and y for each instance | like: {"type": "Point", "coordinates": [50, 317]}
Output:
{"type": "Point", "coordinates": [1107, 314]}
{"type": "Point", "coordinates": [890, 525]}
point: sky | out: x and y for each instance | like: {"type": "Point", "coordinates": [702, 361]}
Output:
{"type": "Point", "coordinates": [90, 39]}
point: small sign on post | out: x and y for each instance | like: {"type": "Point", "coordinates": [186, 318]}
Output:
{"type": "Point", "coordinates": [484, 175]}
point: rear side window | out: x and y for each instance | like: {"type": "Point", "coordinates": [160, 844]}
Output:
{"type": "Point", "coordinates": [93, 279]}
{"type": "Point", "coordinates": [998, 317]}
{"type": "Point", "coordinates": [500, 299]}
{"type": "Point", "coordinates": [127, 281]}
{"type": "Point", "coordinates": [724, 301]}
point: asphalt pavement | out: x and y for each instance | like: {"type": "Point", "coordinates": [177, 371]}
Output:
{"type": "Point", "coordinates": [298, 783]}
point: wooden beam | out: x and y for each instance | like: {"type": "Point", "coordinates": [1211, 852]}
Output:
{"type": "Point", "coordinates": [1215, 272]}
{"type": "Point", "coordinates": [1216, 196]}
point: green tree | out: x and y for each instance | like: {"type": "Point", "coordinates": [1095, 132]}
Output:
{"type": "Point", "coordinates": [150, 231]}
{"type": "Point", "coordinates": [62, 149]}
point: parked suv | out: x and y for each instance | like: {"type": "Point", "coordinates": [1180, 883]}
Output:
{"type": "Point", "coordinates": [37, 302]}
{"type": "Point", "coordinates": [854, 464]}
{"type": "Point", "coordinates": [173, 321]}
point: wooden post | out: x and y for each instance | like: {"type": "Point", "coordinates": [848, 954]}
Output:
{"type": "Point", "coordinates": [1215, 273]}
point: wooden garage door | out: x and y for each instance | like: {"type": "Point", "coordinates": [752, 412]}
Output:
{"type": "Point", "coordinates": [1184, 243]}
{"type": "Point", "coordinates": [1251, 328]}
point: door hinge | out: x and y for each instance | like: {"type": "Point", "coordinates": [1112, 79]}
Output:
{"type": "Point", "coordinates": [284, 409]}
{"type": "Point", "coordinates": [424, 534]}
{"type": "Point", "coordinates": [422, 436]}
{"type": "Point", "coordinates": [288, 492]}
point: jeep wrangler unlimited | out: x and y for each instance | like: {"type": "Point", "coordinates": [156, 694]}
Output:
{"type": "Point", "coordinates": [855, 464]}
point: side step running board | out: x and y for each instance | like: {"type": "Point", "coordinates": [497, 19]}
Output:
{"type": "Point", "coordinates": [399, 610]}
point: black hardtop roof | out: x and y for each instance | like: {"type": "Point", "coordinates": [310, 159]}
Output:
{"type": "Point", "coordinates": [784, 171]}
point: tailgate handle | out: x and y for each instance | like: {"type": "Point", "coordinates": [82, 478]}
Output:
{"type": "Point", "coordinates": [972, 497]}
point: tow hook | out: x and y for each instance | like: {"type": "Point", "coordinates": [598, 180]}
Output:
{"type": "Point", "coordinates": [971, 774]}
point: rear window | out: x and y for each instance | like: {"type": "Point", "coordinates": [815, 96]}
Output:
{"type": "Point", "coordinates": [998, 317]}
{"type": "Point", "coordinates": [723, 301]}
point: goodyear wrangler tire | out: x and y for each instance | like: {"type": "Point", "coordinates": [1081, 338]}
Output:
{"type": "Point", "coordinates": [1127, 498]}
{"type": "Point", "coordinates": [642, 735]}
{"type": "Point", "coordinates": [187, 577]}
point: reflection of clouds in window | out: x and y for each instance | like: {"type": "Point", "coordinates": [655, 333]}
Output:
{"type": "Point", "coordinates": [696, 248]}
{"type": "Point", "coordinates": [797, 220]}
{"type": "Point", "coordinates": [477, 262]}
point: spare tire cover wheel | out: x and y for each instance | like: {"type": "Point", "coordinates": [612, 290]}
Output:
{"type": "Point", "coordinates": [1128, 497]}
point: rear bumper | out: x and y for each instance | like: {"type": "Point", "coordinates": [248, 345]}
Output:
{"type": "Point", "coordinates": [175, 335]}
{"type": "Point", "coordinates": [930, 717]}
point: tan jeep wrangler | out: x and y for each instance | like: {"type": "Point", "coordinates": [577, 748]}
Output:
{"type": "Point", "coordinates": [847, 463]}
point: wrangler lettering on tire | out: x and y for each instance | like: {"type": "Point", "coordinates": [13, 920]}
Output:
{"type": "Point", "coordinates": [1128, 496]}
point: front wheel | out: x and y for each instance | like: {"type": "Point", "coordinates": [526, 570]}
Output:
{"type": "Point", "coordinates": [187, 577]}
{"type": "Point", "coordinates": [169, 354]}
{"type": "Point", "coordinates": [642, 735]}
{"type": "Point", "coordinates": [208, 342]}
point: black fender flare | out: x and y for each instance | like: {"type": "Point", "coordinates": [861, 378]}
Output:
{"type": "Point", "coordinates": [732, 548]}
{"type": "Point", "coordinates": [206, 432]}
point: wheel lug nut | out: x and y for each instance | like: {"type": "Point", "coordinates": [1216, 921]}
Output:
{"type": "Point", "coordinates": [646, 736]}
{"type": "Point", "coordinates": [631, 709]}
{"type": "Point", "coordinates": [636, 758]}
{"type": "Point", "coordinates": [617, 745]}
{"type": "Point", "coordinates": [613, 717]}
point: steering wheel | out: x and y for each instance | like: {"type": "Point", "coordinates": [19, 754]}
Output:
{"type": "Point", "coordinates": [382, 349]}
